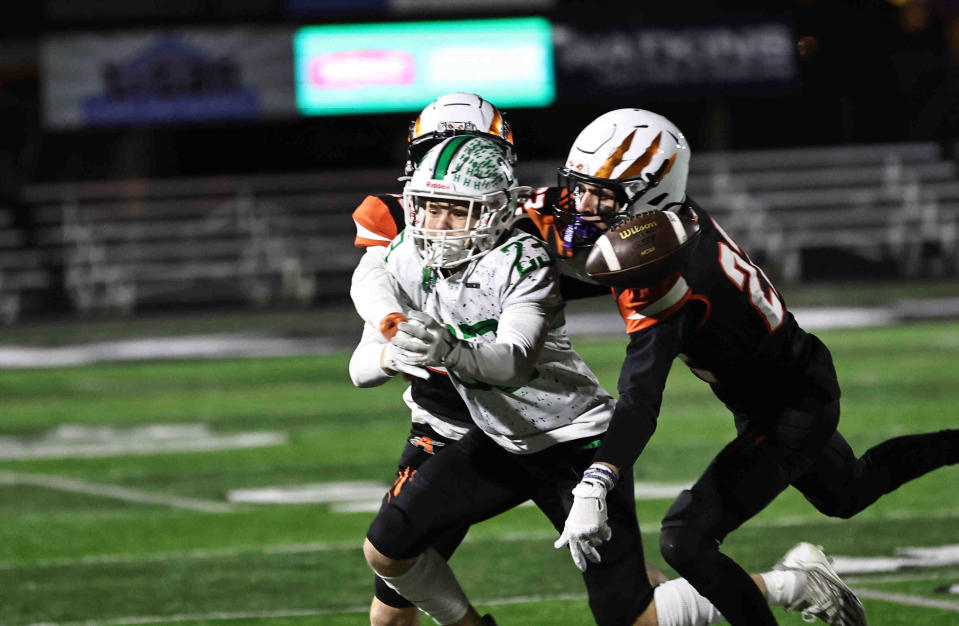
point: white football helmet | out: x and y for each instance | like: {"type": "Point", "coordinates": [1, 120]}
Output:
{"type": "Point", "coordinates": [454, 114]}
{"type": "Point", "coordinates": [639, 157]}
{"type": "Point", "coordinates": [472, 172]}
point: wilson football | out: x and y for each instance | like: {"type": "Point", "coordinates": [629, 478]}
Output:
{"type": "Point", "coordinates": [644, 249]}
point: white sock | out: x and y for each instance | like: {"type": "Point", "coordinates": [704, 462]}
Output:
{"type": "Point", "coordinates": [784, 587]}
{"type": "Point", "coordinates": [679, 604]}
{"type": "Point", "coordinates": [431, 585]}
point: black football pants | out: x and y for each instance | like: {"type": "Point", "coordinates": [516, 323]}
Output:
{"type": "Point", "coordinates": [475, 479]}
{"type": "Point", "coordinates": [423, 443]}
{"type": "Point", "coordinates": [770, 452]}
{"type": "Point", "coordinates": [800, 447]}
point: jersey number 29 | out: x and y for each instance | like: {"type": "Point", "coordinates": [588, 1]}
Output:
{"type": "Point", "coordinates": [748, 277]}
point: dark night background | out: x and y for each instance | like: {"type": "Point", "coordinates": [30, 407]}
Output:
{"type": "Point", "coordinates": [870, 71]}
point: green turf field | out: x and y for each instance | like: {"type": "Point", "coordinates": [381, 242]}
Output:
{"type": "Point", "coordinates": [110, 515]}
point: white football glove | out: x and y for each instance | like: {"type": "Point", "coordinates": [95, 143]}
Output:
{"type": "Point", "coordinates": [586, 526]}
{"type": "Point", "coordinates": [394, 359]}
{"type": "Point", "coordinates": [427, 341]}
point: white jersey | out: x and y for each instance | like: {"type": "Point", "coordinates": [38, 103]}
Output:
{"type": "Point", "coordinates": [365, 371]}
{"type": "Point", "coordinates": [563, 400]}
{"type": "Point", "coordinates": [373, 293]}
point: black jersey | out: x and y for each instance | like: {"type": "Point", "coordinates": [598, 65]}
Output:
{"type": "Point", "coordinates": [725, 320]}
{"type": "Point", "coordinates": [742, 338]}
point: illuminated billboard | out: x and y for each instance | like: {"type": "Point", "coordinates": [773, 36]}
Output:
{"type": "Point", "coordinates": [372, 68]}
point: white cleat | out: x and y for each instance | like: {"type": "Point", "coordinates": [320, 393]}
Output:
{"type": "Point", "coordinates": [826, 596]}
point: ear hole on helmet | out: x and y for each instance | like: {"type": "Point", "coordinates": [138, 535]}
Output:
{"type": "Point", "coordinates": [655, 201]}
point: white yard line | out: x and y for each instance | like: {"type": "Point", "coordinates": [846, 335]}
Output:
{"type": "Point", "coordinates": [112, 491]}
{"type": "Point", "coordinates": [901, 578]}
{"type": "Point", "coordinates": [232, 345]}
{"type": "Point", "coordinates": [136, 447]}
{"type": "Point", "coordinates": [178, 347]}
{"type": "Point", "coordinates": [895, 598]}
{"type": "Point", "coordinates": [208, 617]}
{"type": "Point", "coordinates": [649, 527]}
{"type": "Point", "coordinates": [366, 496]}
{"type": "Point", "coordinates": [815, 518]}
{"type": "Point", "coordinates": [172, 619]}
{"type": "Point", "coordinates": [223, 553]}
{"type": "Point", "coordinates": [898, 598]}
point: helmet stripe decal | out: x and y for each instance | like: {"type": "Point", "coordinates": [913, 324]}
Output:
{"type": "Point", "coordinates": [446, 157]}
{"type": "Point", "coordinates": [672, 160]}
{"type": "Point", "coordinates": [639, 164]}
{"type": "Point", "coordinates": [496, 126]}
{"type": "Point", "coordinates": [606, 169]}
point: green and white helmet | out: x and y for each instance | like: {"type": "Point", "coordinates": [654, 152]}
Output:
{"type": "Point", "coordinates": [465, 169]}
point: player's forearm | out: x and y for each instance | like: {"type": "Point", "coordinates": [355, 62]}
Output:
{"type": "Point", "coordinates": [503, 365]}
{"type": "Point", "coordinates": [511, 360]}
{"type": "Point", "coordinates": [629, 431]}
{"type": "Point", "coordinates": [574, 289]}
{"type": "Point", "coordinates": [371, 289]}
{"type": "Point", "coordinates": [649, 357]}
{"type": "Point", "coordinates": [365, 363]}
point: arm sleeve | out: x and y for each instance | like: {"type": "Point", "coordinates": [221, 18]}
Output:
{"type": "Point", "coordinates": [365, 370]}
{"type": "Point", "coordinates": [649, 357]}
{"type": "Point", "coordinates": [372, 288]}
{"type": "Point", "coordinates": [574, 289]}
{"type": "Point", "coordinates": [510, 360]}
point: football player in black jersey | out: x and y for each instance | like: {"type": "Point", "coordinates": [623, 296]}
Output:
{"type": "Point", "coordinates": [722, 317]}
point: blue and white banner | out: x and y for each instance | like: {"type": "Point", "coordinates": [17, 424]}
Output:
{"type": "Point", "coordinates": [172, 77]}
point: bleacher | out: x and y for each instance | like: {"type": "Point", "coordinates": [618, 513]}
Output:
{"type": "Point", "coordinates": [22, 275]}
{"type": "Point", "coordinates": [258, 240]}
{"type": "Point", "coordinates": [896, 202]}
{"type": "Point", "coordinates": [126, 245]}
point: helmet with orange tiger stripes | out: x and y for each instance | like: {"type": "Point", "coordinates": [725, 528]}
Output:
{"type": "Point", "coordinates": [454, 114]}
{"type": "Point", "coordinates": [639, 154]}
{"type": "Point", "coordinates": [632, 160]}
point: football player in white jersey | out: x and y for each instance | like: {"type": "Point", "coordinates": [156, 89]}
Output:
{"type": "Point", "coordinates": [437, 412]}
{"type": "Point", "coordinates": [510, 359]}
{"type": "Point", "coordinates": [539, 409]}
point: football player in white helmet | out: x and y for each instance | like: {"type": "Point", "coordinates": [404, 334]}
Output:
{"type": "Point", "coordinates": [483, 305]}
{"type": "Point", "coordinates": [471, 185]}
{"type": "Point", "coordinates": [453, 114]}
{"type": "Point", "coordinates": [438, 414]}
{"type": "Point", "coordinates": [623, 163]}
{"type": "Point", "coordinates": [379, 218]}
{"type": "Point", "coordinates": [723, 318]}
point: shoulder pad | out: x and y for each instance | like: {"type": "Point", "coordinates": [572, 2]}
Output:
{"type": "Point", "coordinates": [378, 220]}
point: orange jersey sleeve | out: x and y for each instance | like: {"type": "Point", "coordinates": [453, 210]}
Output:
{"type": "Point", "coordinates": [645, 307]}
{"type": "Point", "coordinates": [378, 220]}
{"type": "Point", "coordinates": [545, 221]}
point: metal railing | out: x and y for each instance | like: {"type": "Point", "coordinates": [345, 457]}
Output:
{"type": "Point", "coordinates": [270, 239]}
